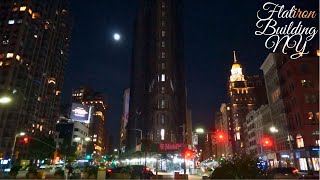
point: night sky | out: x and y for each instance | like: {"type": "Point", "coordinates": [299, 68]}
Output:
{"type": "Point", "coordinates": [212, 30]}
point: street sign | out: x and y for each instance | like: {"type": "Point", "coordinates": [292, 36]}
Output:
{"type": "Point", "coordinates": [170, 146]}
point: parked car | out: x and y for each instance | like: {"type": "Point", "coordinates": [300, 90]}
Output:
{"type": "Point", "coordinates": [129, 172]}
{"type": "Point", "coordinates": [284, 173]}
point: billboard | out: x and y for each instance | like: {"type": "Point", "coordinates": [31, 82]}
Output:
{"type": "Point", "coordinates": [81, 113]}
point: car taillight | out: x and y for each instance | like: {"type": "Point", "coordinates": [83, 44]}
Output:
{"type": "Point", "coordinates": [295, 171]}
{"type": "Point", "coordinates": [109, 170]}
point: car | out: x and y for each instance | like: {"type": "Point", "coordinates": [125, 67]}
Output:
{"type": "Point", "coordinates": [118, 173]}
{"type": "Point", "coordinates": [140, 171]}
{"type": "Point", "coordinates": [129, 172]}
{"type": "Point", "coordinates": [284, 173]}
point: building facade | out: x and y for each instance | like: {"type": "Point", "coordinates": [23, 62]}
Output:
{"type": "Point", "coordinates": [293, 90]}
{"type": "Point", "coordinates": [157, 93]}
{"type": "Point", "coordinates": [124, 120]}
{"type": "Point", "coordinates": [245, 94]}
{"type": "Point", "coordinates": [97, 125]}
{"type": "Point", "coordinates": [34, 49]}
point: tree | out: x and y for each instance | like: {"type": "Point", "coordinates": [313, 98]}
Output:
{"type": "Point", "coordinates": [41, 148]}
{"type": "Point", "coordinates": [239, 166]}
{"type": "Point", "coordinates": [67, 150]}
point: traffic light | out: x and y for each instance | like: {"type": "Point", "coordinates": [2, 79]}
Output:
{"type": "Point", "coordinates": [24, 140]}
{"type": "Point", "coordinates": [266, 142]}
{"type": "Point", "coordinates": [220, 137]}
{"type": "Point", "coordinates": [88, 156]}
{"type": "Point", "coordinates": [188, 154]}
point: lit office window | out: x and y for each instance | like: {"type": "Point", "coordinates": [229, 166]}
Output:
{"type": "Point", "coordinates": [163, 33]}
{"type": "Point", "coordinates": [162, 104]}
{"type": "Point", "coordinates": [163, 55]}
{"type": "Point", "coordinates": [163, 77]}
{"type": "Point", "coordinates": [23, 8]}
{"type": "Point", "coordinates": [11, 21]}
{"type": "Point", "coordinates": [9, 55]}
{"type": "Point", "coordinates": [163, 66]}
{"type": "Point", "coordinates": [162, 134]}
{"type": "Point", "coordinates": [299, 140]}
{"type": "Point", "coordinates": [163, 44]}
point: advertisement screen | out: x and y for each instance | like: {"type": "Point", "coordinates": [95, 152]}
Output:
{"type": "Point", "coordinates": [80, 112]}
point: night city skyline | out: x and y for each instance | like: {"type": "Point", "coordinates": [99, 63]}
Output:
{"type": "Point", "coordinates": [159, 89]}
{"type": "Point", "coordinates": [210, 37]}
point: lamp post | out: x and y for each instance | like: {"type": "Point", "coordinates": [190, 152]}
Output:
{"type": "Point", "coordinates": [14, 145]}
{"type": "Point", "coordinates": [5, 100]}
{"type": "Point", "coordinates": [273, 131]}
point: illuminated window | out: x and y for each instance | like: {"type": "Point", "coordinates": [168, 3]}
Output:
{"type": "Point", "coordinates": [15, 9]}
{"type": "Point", "coordinates": [30, 11]}
{"type": "Point", "coordinates": [299, 140]}
{"type": "Point", "coordinates": [238, 136]}
{"type": "Point", "coordinates": [162, 131]}
{"type": "Point", "coordinates": [163, 66]}
{"type": "Point", "coordinates": [18, 57]}
{"type": "Point", "coordinates": [163, 23]}
{"type": "Point", "coordinates": [318, 52]}
{"type": "Point", "coordinates": [5, 42]}
{"type": "Point", "coordinates": [163, 4]}
{"type": "Point", "coordinates": [1, 63]}
{"type": "Point", "coordinates": [163, 55]}
{"type": "Point", "coordinates": [35, 15]}
{"type": "Point", "coordinates": [162, 118]}
{"type": "Point", "coordinates": [52, 80]}
{"type": "Point", "coordinates": [23, 8]}
{"type": "Point", "coordinates": [163, 44]}
{"type": "Point", "coordinates": [162, 104]}
{"type": "Point", "coordinates": [310, 115]}
{"type": "Point", "coordinates": [163, 77]}
{"type": "Point", "coordinates": [163, 33]}
{"type": "Point", "coordinates": [163, 89]}
{"type": "Point", "coordinates": [11, 21]}
{"type": "Point", "coordinates": [9, 55]}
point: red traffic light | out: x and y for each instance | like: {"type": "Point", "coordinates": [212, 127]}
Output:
{"type": "Point", "coordinates": [266, 142]}
{"type": "Point", "coordinates": [188, 153]}
{"type": "Point", "coordinates": [24, 140]}
{"type": "Point", "coordinates": [220, 136]}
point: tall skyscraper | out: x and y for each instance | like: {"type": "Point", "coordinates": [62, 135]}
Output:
{"type": "Point", "coordinates": [34, 48]}
{"type": "Point", "coordinates": [245, 94]}
{"type": "Point", "coordinates": [157, 92]}
{"type": "Point", "coordinates": [124, 120]}
{"type": "Point", "coordinates": [97, 125]}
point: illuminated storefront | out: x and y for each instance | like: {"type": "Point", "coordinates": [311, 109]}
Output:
{"type": "Point", "coordinates": [307, 158]}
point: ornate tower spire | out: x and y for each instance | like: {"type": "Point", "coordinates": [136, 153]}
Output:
{"type": "Point", "coordinates": [234, 57]}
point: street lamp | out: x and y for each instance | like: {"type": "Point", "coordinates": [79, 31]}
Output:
{"type": "Point", "coordinates": [200, 130]}
{"type": "Point", "coordinates": [5, 100]}
{"type": "Point", "coordinates": [14, 145]}
{"type": "Point", "coordinates": [273, 129]}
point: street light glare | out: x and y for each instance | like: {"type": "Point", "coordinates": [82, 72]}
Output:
{"type": "Point", "coordinates": [22, 133]}
{"type": "Point", "coordinates": [200, 130]}
{"type": "Point", "coordinates": [273, 129]}
{"type": "Point", "coordinates": [5, 100]}
{"type": "Point", "coordinates": [115, 150]}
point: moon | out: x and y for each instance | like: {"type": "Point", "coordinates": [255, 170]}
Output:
{"type": "Point", "coordinates": [116, 36]}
